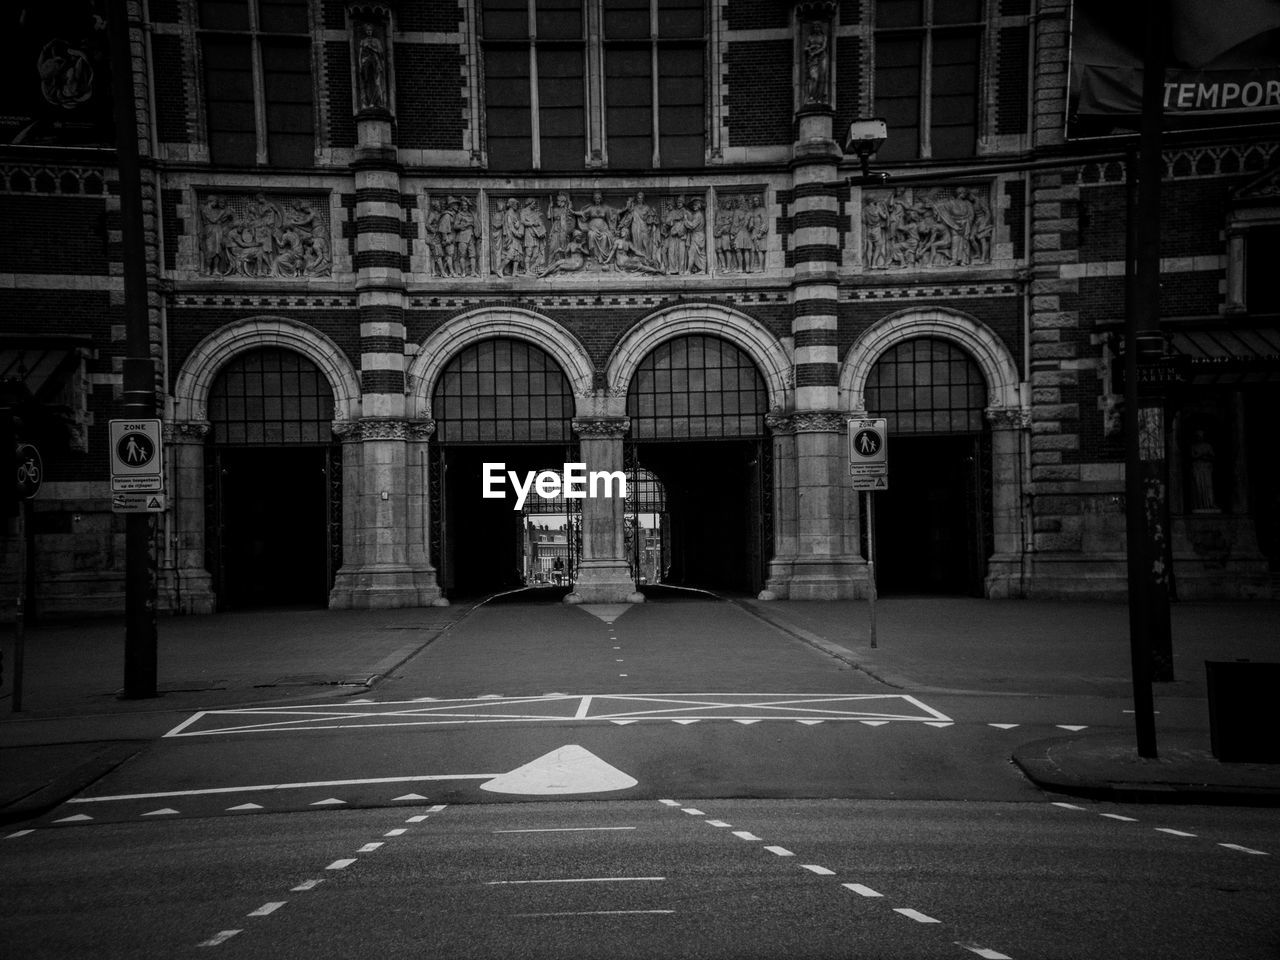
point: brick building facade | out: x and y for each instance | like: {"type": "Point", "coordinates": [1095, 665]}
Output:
{"type": "Point", "coordinates": [390, 240]}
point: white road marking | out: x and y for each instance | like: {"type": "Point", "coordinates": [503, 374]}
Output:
{"type": "Point", "coordinates": [718, 823]}
{"type": "Point", "coordinates": [77, 818]}
{"type": "Point", "coordinates": [692, 811]}
{"type": "Point", "coordinates": [1117, 816]}
{"type": "Point", "coordinates": [243, 806]}
{"type": "Point", "coordinates": [1072, 727]}
{"type": "Point", "coordinates": [984, 952]}
{"type": "Point", "coordinates": [593, 913]}
{"type": "Point", "coordinates": [670, 803]}
{"type": "Point", "coordinates": [938, 723]}
{"type": "Point", "coordinates": [267, 908]}
{"type": "Point", "coordinates": [561, 708]}
{"type": "Point", "coordinates": [418, 819]}
{"type": "Point", "coordinates": [399, 831]}
{"type": "Point", "coordinates": [1236, 846]}
{"type": "Point", "coordinates": [498, 883]}
{"type": "Point", "coordinates": [409, 796]}
{"type": "Point", "coordinates": [810, 723]}
{"type": "Point", "coordinates": [746, 721]}
{"type": "Point", "coordinates": [303, 785]}
{"type": "Point", "coordinates": [162, 812]}
{"type": "Point", "coordinates": [437, 808]}
{"type": "Point", "coordinates": [370, 847]}
{"type": "Point", "coordinates": [330, 802]}
{"type": "Point", "coordinates": [820, 871]}
{"type": "Point", "coordinates": [745, 835]}
{"type": "Point", "coordinates": [861, 890]}
{"type": "Point", "coordinates": [1003, 726]}
{"type": "Point", "coordinates": [622, 723]}
{"type": "Point", "coordinates": [306, 885]}
{"type": "Point", "coordinates": [562, 829]}
{"type": "Point", "coordinates": [1172, 832]}
{"type": "Point", "coordinates": [569, 769]}
{"type": "Point", "coordinates": [685, 723]}
{"type": "Point", "coordinates": [875, 723]}
{"type": "Point", "coordinates": [915, 915]}
{"type": "Point", "coordinates": [341, 864]}
{"type": "Point", "coordinates": [218, 938]}
{"type": "Point", "coordinates": [20, 833]}
{"type": "Point", "coordinates": [1066, 806]}
{"type": "Point", "coordinates": [780, 851]}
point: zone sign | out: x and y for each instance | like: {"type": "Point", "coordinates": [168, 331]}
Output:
{"type": "Point", "coordinates": [136, 456]}
{"type": "Point", "coordinates": [867, 443]}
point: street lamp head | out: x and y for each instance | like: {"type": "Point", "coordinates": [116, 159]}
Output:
{"type": "Point", "coordinates": [866, 137]}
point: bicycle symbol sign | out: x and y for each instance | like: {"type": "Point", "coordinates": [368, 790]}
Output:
{"type": "Point", "coordinates": [30, 471]}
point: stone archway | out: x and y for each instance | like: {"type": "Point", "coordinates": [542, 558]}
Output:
{"type": "Point", "coordinates": [487, 323]}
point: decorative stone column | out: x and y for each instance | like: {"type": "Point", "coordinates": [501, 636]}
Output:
{"type": "Point", "coordinates": [603, 574]}
{"type": "Point", "coordinates": [784, 507]}
{"type": "Point", "coordinates": [1005, 567]}
{"type": "Point", "coordinates": [384, 516]}
{"type": "Point", "coordinates": [186, 585]}
{"type": "Point", "coordinates": [824, 567]}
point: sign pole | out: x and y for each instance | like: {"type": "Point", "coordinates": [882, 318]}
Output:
{"type": "Point", "coordinates": [871, 564]}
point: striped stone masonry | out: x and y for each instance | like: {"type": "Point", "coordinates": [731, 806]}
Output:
{"type": "Point", "coordinates": [379, 261]}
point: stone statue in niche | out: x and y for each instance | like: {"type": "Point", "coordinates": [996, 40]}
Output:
{"type": "Point", "coordinates": [451, 233]}
{"type": "Point", "coordinates": [1203, 458]}
{"type": "Point", "coordinates": [371, 67]}
{"type": "Point", "coordinates": [259, 236]}
{"type": "Point", "coordinates": [816, 64]}
{"type": "Point", "coordinates": [933, 227]}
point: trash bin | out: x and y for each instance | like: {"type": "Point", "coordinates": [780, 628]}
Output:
{"type": "Point", "coordinates": [1242, 720]}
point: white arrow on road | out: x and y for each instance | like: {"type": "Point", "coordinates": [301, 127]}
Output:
{"type": "Point", "coordinates": [569, 769]}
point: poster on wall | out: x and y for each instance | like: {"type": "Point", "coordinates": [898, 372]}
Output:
{"type": "Point", "coordinates": [56, 89]}
{"type": "Point", "coordinates": [1222, 65]}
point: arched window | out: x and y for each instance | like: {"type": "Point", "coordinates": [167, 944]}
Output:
{"type": "Point", "coordinates": [927, 385]}
{"type": "Point", "coordinates": [502, 391]}
{"type": "Point", "coordinates": [271, 396]}
{"type": "Point", "coordinates": [696, 387]}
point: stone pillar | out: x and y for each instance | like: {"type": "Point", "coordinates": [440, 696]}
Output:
{"type": "Point", "coordinates": [383, 563]}
{"type": "Point", "coordinates": [824, 567]}
{"type": "Point", "coordinates": [186, 585]}
{"type": "Point", "coordinates": [603, 574]}
{"type": "Point", "coordinates": [784, 508]}
{"type": "Point", "coordinates": [1005, 568]}
{"type": "Point", "coordinates": [384, 516]}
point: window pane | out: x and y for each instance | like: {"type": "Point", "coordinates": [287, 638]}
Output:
{"type": "Point", "coordinates": [286, 74]}
{"type": "Point", "coordinates": [228, 79]}
{"type": "Point", "coordinates": [507, 109]}
{"type": "Point", "coordinates": [681, 116]}
{"type": "Point", "coordinates": [957, 11]}
{"type": "Point", "coordinates": [628, 111]}
{"type": "Point", "coordinates": [561, 112]}
{"type": "Point", "coordinates": [559, 19]}
{"type": "Point", "coordinates": [505, 19]}
{"type": "Point", "coordinates": [955, 102]}
{"type": "Point", "coordinates": [282, 16]}
{"type": "Point", "coordinates": [224, 14]}
{"type": "Point", "coordinates": [897, 100]}
{"type": "Point", "coordinates": [680, 18]}
{"type": "Point", "coordinates": [626, 19]}
{"type": "Point", "coordinates": [898, 13]}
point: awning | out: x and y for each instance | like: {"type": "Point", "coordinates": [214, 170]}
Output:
{"type": "Point", "coordinates": [1224, 355]}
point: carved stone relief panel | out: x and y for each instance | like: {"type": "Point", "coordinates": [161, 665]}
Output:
{"type": "Point", "coordinates": [741, 232]}
{"type": "Point", "coordinates": [453, 234]}
{"type": "Point", "coordinates": [260, 235]}
{"type": "Point", "coordinates": [928, 227]}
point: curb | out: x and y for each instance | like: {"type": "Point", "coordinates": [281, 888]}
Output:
{"type": "Point", "coordinates": [1035, 761]}
{"type": "Point", "coordinates": [67, 784]}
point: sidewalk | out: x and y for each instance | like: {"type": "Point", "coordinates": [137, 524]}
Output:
{"type": "Point", "coordinates": [74, 728]}
{"type": "Point", "coordinates": [1059, 648]}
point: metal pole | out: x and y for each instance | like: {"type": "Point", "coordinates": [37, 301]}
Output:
{"type": "Point", "coordinates": [139, 371]}
{"type": "Point", "coordinates": [19, 617]}
{"type": "Point", "coordinates": [871, 566]}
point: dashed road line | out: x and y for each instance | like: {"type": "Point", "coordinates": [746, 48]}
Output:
{"type": "Point", "coordinates": [984, 952]}
{"type": "Point", "coordinates": [500, 883]}
{"type": "Point", "coordinates": [305, 885]}
{"type": "Point", "coordinates": [815, 868]}
{"type": "Point", "coordinates": [1169, 831]}
{"type": "Point", "coordinates": [19, 833]}
{"type": "Point", "coordinates": [594, 913]}
{"type": "Point", "coordinates": [562, 829]}
{"type": "Point", "coordinates": [341, 864]}
{"type": "Point", "coordinates": [915, 915]}
{"type": "Point", "coordinates": [1172, 832]}
{"type": "Point", "coordinates": [1249, 850]}
{"type": "Point", "coordinates": [745, 835]}
{"type": "Point", "coordinates": [219, 938]}
{"type": "Point", "coordinates": [861, 890]}
{"type": "Point", "coordinates": [780, 851]}
{"type": "Point", "coordinates": [267, 909]}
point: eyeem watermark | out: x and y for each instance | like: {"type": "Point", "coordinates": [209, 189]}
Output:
{"type": "Point", "coordinates": [573, 484]}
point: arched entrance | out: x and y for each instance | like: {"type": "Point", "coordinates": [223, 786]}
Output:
{"type": "Point", "coordinates": [933, 524]}
{"type": "Point", "coordinates": [497, 400]}
{"type": "Point", "coordinates": [273, 482]}
{"type": "Point", "coordinates": [697, 405]}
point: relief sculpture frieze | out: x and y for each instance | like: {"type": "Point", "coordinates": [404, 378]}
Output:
{"type": "Point", "coordinates": [264, 236]}
{"type": "Point", "coordinates": [926, 227]}
{"type": "Point", "coordinates": [565, 234]}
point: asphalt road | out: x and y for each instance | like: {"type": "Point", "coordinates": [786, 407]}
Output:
{"type": "Point", "coordinates": [678, 783]}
